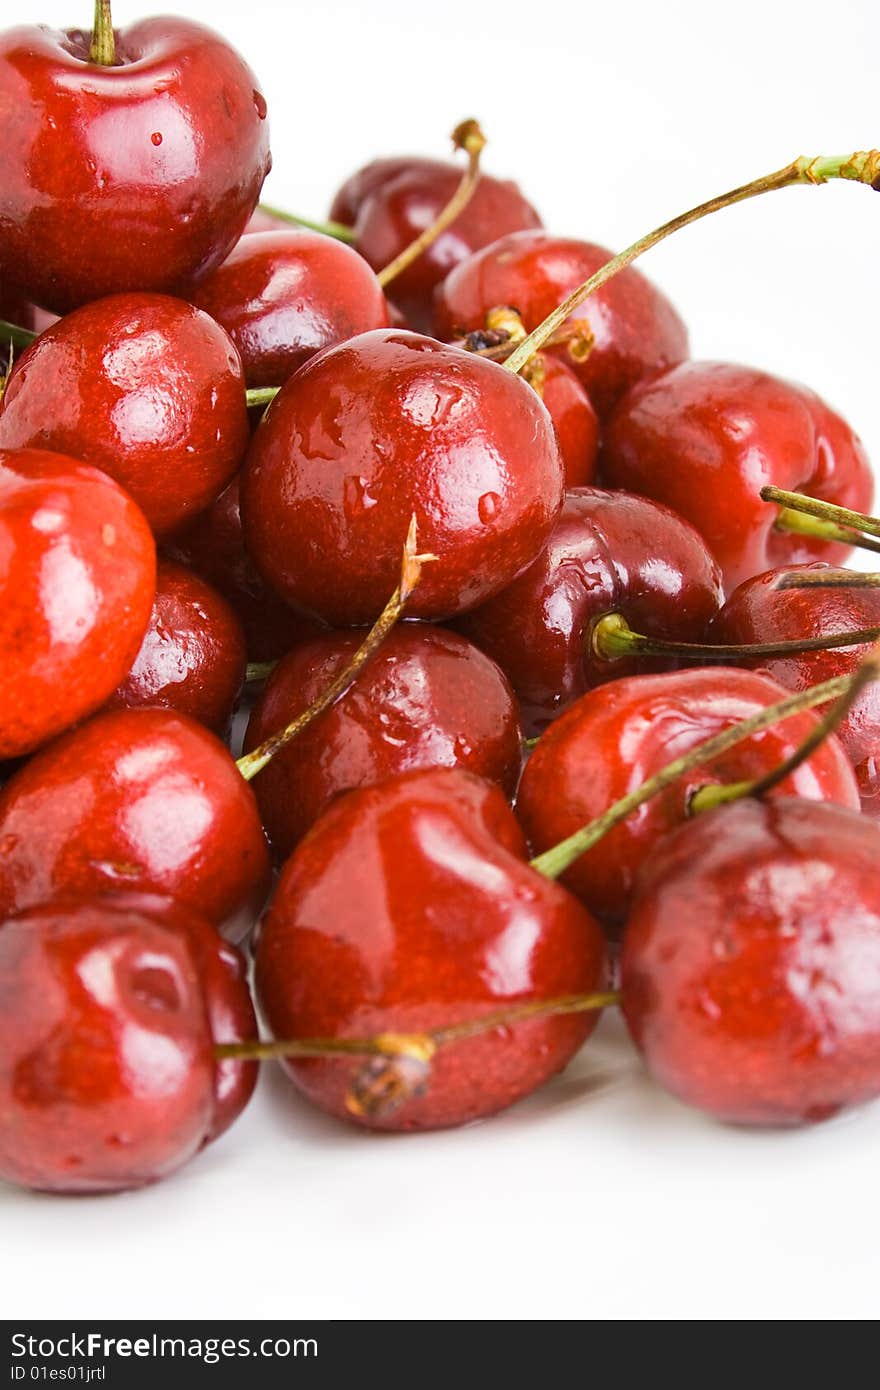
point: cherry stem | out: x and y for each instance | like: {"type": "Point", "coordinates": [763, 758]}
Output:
{"type": "Point", "coordinates": [556, 860]}
{"type": "Point", "coordinates": [811, 516]}
{"type": "Point", "coordinates": [505, 329]}
{"type": "Point", "coordinates": [862, 167]}
{"type": "Point", "coordinates": [103, 48]}
{"type": "Point", "coordinates": [830, 579]}
{"type": "Point", "coordinates": [338, 230]}
{"type": "Point", "coordinates": [261, 395]}
{"type": "Point", "coordinates": [18, 337]}
{"type": "Point", "coordinates": [612, 639]}
{"type": "Point", "coordinates": [468, 137]}
{"type": "Point", "coordinates": [259, 671]}
{"type": "Point", "coordinates": [410, 576]}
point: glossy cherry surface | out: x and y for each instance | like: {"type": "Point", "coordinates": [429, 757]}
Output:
{"type": "Point", "coordinates": [143, 386]}
{"type": "Point", "coordinates": [410, 907]}
{"type": "Point", "coordinates": [609, 552]}
{"type": "Point", "coordinates": [618, 736]}
{"type": "Point", "coordinates": [282, 296]}
{"type": "Point", "coordinates": [574, 419]}
{"type": "Point", "coordinates": [388, 426]}
{"type": "Point", "coordinates": [77, 579]}
{"type": "Point", "coordinates": [751, 962]}
{"type": "Point", "coordinates": [391, 202]}
{"type": "Point", "coordinates": [142, 800]}
{"type": "Point", "coordinates": [705, 437]}
{"type": "Point", "coordinates": [136, 176]}
{"type": "Point", "coordinates": [428, 698]}
{"type": "Point", "coordinates": [635, 328]}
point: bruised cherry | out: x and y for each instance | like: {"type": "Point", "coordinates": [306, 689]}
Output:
{"type": "Point", "coordinates": [428, 698]}
{"type": "Point", "coordinates": [77, 579]}
{"type": "Point", "coordinates": [145, 387]}
{"type": "Point", "coordinates": [409, 907]}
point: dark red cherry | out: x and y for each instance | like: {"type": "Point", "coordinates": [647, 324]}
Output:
{"type": "Point", "coordinates": [106, 1065]}
{"type": "Point", "coordinates": [281, 296]}
{"type": "Point", "coordinates": [410, 907]}
{"type": "Point", "coordinates": [77, 579]}
{"type": "Point", "coordinates": [141, 800]}
{"type": "Point", "coordinates": [573, 416]}
{"type": "Point", "coordinates": [384, 427]}
{"type": "Point", "coordinates": [136, 176]}
{"type": "Point", "coordinates": [145, 387]}
{"type": "Point", "coordinates": [193, 656]}
{"type": "Point", "coordinates": [213, 546]}
{"type": "Point", "coordinates": [608, 552]}
{"type": "Point", "coordinates": [390, 202]}
{"type": "Point", "coordinates": [705, 437]}
{"type": "Point", "coordinates": [636, 330]}
{"type": "Point", "coordinates": [751, 962]}
{"type": "Point", "coordinates": [427, 698]}
{"type": "Point", "coordinates": [618, 736]}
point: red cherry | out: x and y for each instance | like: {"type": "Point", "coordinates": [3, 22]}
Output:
{"type": "Point", "coordinates": [705, 437]}
{"type": "Point", "coordinates": [145, 387]}
{"type": "Point", "coordinates": [139, 175]}
{"type": "Point", "coordinates": [608, 552]}
{"type": "Point", "coordinates": [381, 428]}
{"type": "Point", "coordinates": [574, 419]}
{"type": "Point", "coordinates": [77, 578]}
{"type": "Point", "coordinates": [281, 296]}
{"type": "Point", "coordinates": [636, 330]}
{"type": "Point", "coordinates": [142, 800]}
{"type": "Point", "coordinates": [390, 202]}
{"type": "Point", "coordinates": [409, 907]}
{"type": "Point", "coordinates": [751, 962]}
{"type": "Point", "coordinates": [106, 1066]}
{"type": "Point", "coordinates": [427, 698]}
{"type": "Point", "coordinates": [213, 546]}
{"type": "Point", "coordinates": [618, 736]}
{"type": "Point", "coordinates": [193, 657]}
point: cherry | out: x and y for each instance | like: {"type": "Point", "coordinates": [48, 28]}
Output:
{"type": "Point", "coordinates": [213, 546]}
{"type": "Point", "coordinates": [129, 169]}
{"type": "Point", "coordinates": [618, 736]}
{"type": "Point", "coordinates": [428, 698]}
{"type": "Point", "coordinates": [386, 426]}
{"type": "Point", "coordinates": [751, 960]}
{"type": "Point", "coordinates": [409, 907]}
{"type": "Point", "coordinates": [281, 296]}
{"type": "Point", "coordinates": [143, 386]}
{"type": "Point", "coordinates": [636, 331]}
{"type": "Point", "coordinates": [193, 657]}
{"type": "Point", "coordinates": [78, 577]}
{"type": "Point", "coordinates": [144, 800]}
{"type": "Point", "coordinates": [574, 419]}
{"type": "Point", "coordinates": [608, 552]}
{"type": "Point", "coordinates": [704, 438]}
{"type": "Point", "coordinates": [391, 201]}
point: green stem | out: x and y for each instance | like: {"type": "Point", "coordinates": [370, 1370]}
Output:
{"type": "Point", "coordinates": [261, 395]}
{"type": "Point", "coordinates": [830, 579]}
{"type": "Point", "coordinates": [259, 671]}
{"type": "Point", "coordinates": [103, 49]}
{"type": "Point", "coordinates": [338, 230]}
{"type": "Point", "coordinates": [612, 639]}
{"type": "Point", "coordinates": [18, 337]}
{"type": "Point", "coordinates": [796, 523]}
{"type": "Point", "coordinates": [863, 167]}
{"type": "Point", "coordinates": [828, 512]}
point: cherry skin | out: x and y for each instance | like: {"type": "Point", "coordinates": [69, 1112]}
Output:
{"type": "Point", "coordinates": [427, 698]}
{"type": "Point", "coordinates": [143, 386]}
{"type": "Point", "coordinates": [409, 907]}
{"type": "Point", "coordinates": [635, 328]}
{"type": "Point", "coordinates": [138, 176]}
{"type": "Point", "coordinates": [759, 611]}
{"type": "Point", "coordinates": [193, 656]}
{"type": "Point", "coordinates": [213, 546]}
{"type": "Point", "coordinates": [78, 577]}
{"type": "Point", "coordinates": [106, 1066]}
{"type": "Point", "coordinates": [618, 736]}
{"type": "Point", "coordinates": [574, 419]}
{"type": "Point", "coordinates": [392, 201]}
{"type": "Point", "coordinates": [705, 437]}
{"type": "Point", "coordinates": [143, 800]}
{"type": "Point", "coordinates": [609, 552]}
{"type": "Point", "coordinates": [282, 296]}
{"type": "Point", "coordinates": [751, 960]}
{"type": "Point", "coordinates": [388, 426]}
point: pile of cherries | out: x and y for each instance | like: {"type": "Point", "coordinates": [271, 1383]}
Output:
{"type": "Point", "coordinates": [489, 574]}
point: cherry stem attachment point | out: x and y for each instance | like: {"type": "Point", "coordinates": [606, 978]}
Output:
{"type": "Point", "coordinates": [612, 639]}
{"type": "Point", "coordinates": [103, 46]}
{"type": "Point", "coordinates": [337, 230]}
{"type": "Point", "coordinates": [468, 137]}
{"type": "Point", "coordinates": [18, 337]}
{"type": "Point", "coordinates": [862, 167]}
{"type": "Point", "coordinates": [410, 576]}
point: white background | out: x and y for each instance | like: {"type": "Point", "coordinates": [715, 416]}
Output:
{"type": "Point", "coordinates": [599, 1198]}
